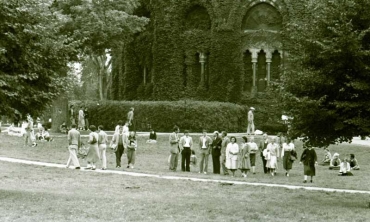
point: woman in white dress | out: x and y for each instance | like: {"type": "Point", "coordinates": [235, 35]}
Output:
{"type": "Point", "coordinates": [232, 151]}
{"type": "Point", "coordinates": [273, 150]}
{"type": "Point", "coordinates": [286, 155]}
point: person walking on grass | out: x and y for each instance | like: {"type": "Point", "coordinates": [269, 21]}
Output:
{"type": "Point", "coordinates": [93, 154]}
{"type": "Point", "coordinates": [205, 143]}
{"type": "Point", "coordinates": [131, 150]}
{"type": "Point", "coordinates": [309, 160]}
{"type": "Point", "coordinates": [118, 144]}
{"type": "Point", "coordinates": [216, 152]}
{"type": "Point", "coordinates": [287, 152]}
{"type": "Point", "coordinates": [102, 141]}
{"type": "Point", "coordinates": [74, 143]}
{"type": "Point", "coordinates": [253, 149]}
{"type": "Point", "coordinates": [232, 151]}
{"type": "Point", "coordinates": [244, 157]}
{"type": "Point", "coordinates": [224, 143]}
{"type": "Point", "coordinates": [273, 150]}
{"type": "Point", "coordinates": [186, 144]}
{"type": "Point", "coordinates": [262, 147]}
{"type": "Point", "coordinates": [174, 149]}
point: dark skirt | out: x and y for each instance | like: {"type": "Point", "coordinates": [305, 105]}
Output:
{"type": "Point", "coordinates": [287, 162]}
{"type": "Point", "coordinates": [309, 170]}
{"type": "Point", "coordinates": [252, 157]}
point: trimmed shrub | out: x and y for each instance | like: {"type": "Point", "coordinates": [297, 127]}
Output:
{"type": "Point", "coordinates": [163, 115]}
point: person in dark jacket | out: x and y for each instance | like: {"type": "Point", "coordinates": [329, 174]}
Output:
{"type": "Point", "coordinates": [309, 160]}
{"type": "Point", "coordinates": [216, 152]}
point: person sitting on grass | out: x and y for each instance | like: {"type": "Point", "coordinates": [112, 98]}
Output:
{"type": "Point", "coordinates": [345, 168]}
{"type": "Point", "coordinates": [335, 162]}
{"type": "Point", "coordinates": [152, 137]}
{"type": "Point", "coordinates": [353, 162]}
{"type": "Point", "coordinates": [327, 158]}
{"type": "Point", "coordinates": [63, 128]}
{"type": "Point", "coordinates": [46, 136]}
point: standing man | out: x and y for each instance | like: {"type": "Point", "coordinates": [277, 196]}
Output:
{"type": "Point", "coordinates": [119, 143]}
{"type": "Point", "coordinates": [250, 129]}
{"type": "Point", "coordinates": [81, 119]}
{"type": "Point", "coordinates": [174, 148]}
{"type": "Point", "coordinates": [205, 143]}
{"type": "Point", "coordinates": [130, 117]}
{"type": "Point", "coordinates": [262, 146]}
{"type": "Point", "coordinates": [186, 143]}
{"type": "Point", "coordinates": [102, 142]}
{"type": "Point", "coordinates": [74, 142]}
{"type": "Point", "coordinates": [224, 143]}
{"type": "Point", "coordinates": [216, 152]}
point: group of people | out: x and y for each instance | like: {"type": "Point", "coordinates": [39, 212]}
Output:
{"type": "Point", "coordinates": [82, 117]}
{"type": "Point", "coordinates": [98, 142]}
{"type": "Point", "coordinates": [335, 163]}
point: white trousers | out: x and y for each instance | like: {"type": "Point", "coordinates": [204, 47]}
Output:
{"type": "Point", "coordinates": [73, 156]}
{"type": "Point", "coordinates": [103, 156]}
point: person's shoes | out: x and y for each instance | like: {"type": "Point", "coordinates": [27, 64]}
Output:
{"type": "Point", "coordinates": [67, 167]}
{"type": "Point", "coordinates": [287, 174]}
{"type": "Point", "coordinates": [305, 181]}
{"type": "Point", "coordinates": [254, 172]}
{"type": "Point", "coordinates": [77, 168]}
{"type": "Point", "coordinates": [272, 174]}
{"type": "Point", "coordinates": [103, 168]}
{"type": "Point", "coordinates": [132, 167]}
{"type": "Point", "coordinates": [199, 172]}
{"type": "Point", "coordinates": [128, 167]}
{"type": "Point", "coordinates": [311, 181]}
{"type": "Point", "coordinates": [93, 168]}
{"type": "Point", "coordinates": [118, 166]}
{"type": "Point", "coordinates": [205, 173]}
{"type": "Point", "coordinates": [34, 145]}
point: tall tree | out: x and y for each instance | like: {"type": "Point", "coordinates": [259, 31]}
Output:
{"type": "Point", "coordinates": [101, 25]}
{"type": "Point", "coordinates": [33, 56]}
{"type": "Point", "coordinates": [326, 88]}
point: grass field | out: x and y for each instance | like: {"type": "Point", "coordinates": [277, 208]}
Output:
{"type": "Point", "coordinates": [32, 193]}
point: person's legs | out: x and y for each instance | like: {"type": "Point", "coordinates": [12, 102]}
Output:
{"type": "Point", "coordinates": [187, 159]}
{"type": "Point", "coordinates": [201, 163]}
{"type": "Point", "coordinates": [103, 156]}
{"type": "Point", "coordinates": [223, 161]}
{"type": "Point", "coordinates": [129, 157]}
{"type": "Point", "coordinates": [205, 169]}
{"type": "Point", "coordinates": [119, 153]}
{"type": "Point", "coordinates": [248, 128]}
{"type": "Point", "coordinates": [173, 158]}
{"type": "Point", "coordinates": [133, 157]}
{"type": "Point", "coordinates": [73, 157]}
{"type": "Point", "coordinates": [252, 126]}
{"type": "Point", "coordinates": [183, 160]}
{"type": "Point", "coordinates": [264, 164]}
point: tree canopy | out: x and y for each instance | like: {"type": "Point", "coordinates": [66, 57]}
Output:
{"type": "Point", "coordinates": [326, 85]}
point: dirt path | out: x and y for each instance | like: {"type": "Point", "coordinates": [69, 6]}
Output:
{"type": "Point", "coordinates": [36, 163]}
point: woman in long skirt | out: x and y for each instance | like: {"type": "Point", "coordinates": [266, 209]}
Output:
{"type": "Point", "coordinates": [93, 154]}
{"type": "Point", "coordinates": [309, 160]}
{"type": "Point", "coordinates": [286, 155]}
{"type": "Point", "coordinates": [232, 151]}
{"type": "Point", "coordinates": [273, 150]}
{"type": "Point", "coordinates": [244, 159]}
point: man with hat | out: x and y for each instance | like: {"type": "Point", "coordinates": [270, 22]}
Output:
{"type": "Point", "coordinates": [250, 129]}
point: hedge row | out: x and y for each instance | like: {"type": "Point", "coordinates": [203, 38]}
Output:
{"type": "Point", "coordinates": [163, 115]}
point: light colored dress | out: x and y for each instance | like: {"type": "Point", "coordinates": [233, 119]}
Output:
{"type": "Point", "coordinates": [93, 153]}
{"type": "Point", "coordinates": [232, 151]}
{"type": "Point", "coordinates": [286, 155]}
{"type": "Point", "coordinates": [273, 150]}
{"type": "Point", "coordinates": [81, 119]}
{"type": "Point", "coordinates": [244, 158]}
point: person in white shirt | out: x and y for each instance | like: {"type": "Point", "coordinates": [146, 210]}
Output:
{"type": "Point", "coordinates": [345, 168]}
{"type": "Point", "coordinates": [102, 142]}
{"type": "Point", "coordinates": [119, 124]}
{"type": "Point", "coordinates": [273, 150]}
{"type": "Point", "coordinates": [250, 129]}
{"type": "Point", "coordinates": [186, 143]}
{"type": "Point", "coordinates": [232, 151]}
{"type": "Point", "coordinates": [205, 143]}
{"type": "Point", "coordinates": [126, 130]}
{"type": "Point", "coordinates": [287, 152]}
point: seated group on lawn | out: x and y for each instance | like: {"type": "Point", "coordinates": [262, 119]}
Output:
{"type": "Point", "coordinates": [335, 163]}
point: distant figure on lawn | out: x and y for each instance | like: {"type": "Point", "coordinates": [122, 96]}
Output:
{"type": "Point", "coordinates": [224, 143]}
{"type": "Point", "coordinates": [335, 162]}
{"type": "Point", "coordinates": [309, 160]}
{"type": "Point", "coordinates": [130, 116]}
{"type": "Point", "coordinates": [353, 162]}
{"type": "Point", "coordinates": [81, 119]}
{"type": "Point", "coordinates": [272, 156]}
{"type": "Point", "coordinates": [63, 128]}
{"type": "Point", "coordinates": [93, 154]}
{"type": "Point", "coordinates": [86, 116]}
{"type": "Point", "coordinates": [74, 143]}
{"type": "Point", "coordinates": [345, 168]}
{"type": "Point", "coordinates": [126, 129]}
{"type": "Point", "coordinates": [205, 143]}
{"type": "Point", "coordinates": [152, 137]}
{"type": "Point", "coordinates": [29, 135]}
{"type": "Point", "coordinates": [253, 149]}
{"type": "Point", "coordinates": [174, 148]}
{"type": "Point", "coordinates": [262, 147]}
{"type": "Point", "coordinates": [186, 144]}
{"type": "Point", "coordinates": [244, 157]}
{"type": "Point", "coordinates": [327, 158]}
{"type": "Point", "coordinates": [72, 115]}
{"type": "Point", "coordinates": [232, 152]}
{"type": "Point", "coordinates": [250, 129]}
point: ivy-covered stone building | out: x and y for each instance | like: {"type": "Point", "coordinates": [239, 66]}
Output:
{"type": "Point", "coordinates": [217, 50]}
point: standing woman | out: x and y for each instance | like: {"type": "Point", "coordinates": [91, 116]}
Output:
{"type": "Point", "coordinates": [102, 141]}
{"type": "Point", "coordinates": [286, 154]}
{"type": "Point", "coordinates": [81, 119]}
{"type": "Point", "coordinates": [232, 151]}
{"type": "Point", "coordinates": [309, 159]}
{"type": "Point", "coordinates": [244, 158]}
{"type": "Point", "coordinates": [253, 148]}
{"type": "Point", "coordinates": [93, 154]}
{"type": "Point", "coordinates": [273, 150]}
{"type": "Point", "coordinates": [216, 152]}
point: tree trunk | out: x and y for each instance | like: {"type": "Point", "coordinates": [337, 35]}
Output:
{"type": "Point", "coordinates": [59, 113]}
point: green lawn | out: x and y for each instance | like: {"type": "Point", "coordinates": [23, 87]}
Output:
{"type": "Point", "coordinates": [33, 193]}
{"type": "Point", "coordinates": [152, 158]}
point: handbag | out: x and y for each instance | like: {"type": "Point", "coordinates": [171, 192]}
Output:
{"type": "Point", "coordinates": [113, 146]}
{"type": "Point", "coordinates": [82, 151]}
